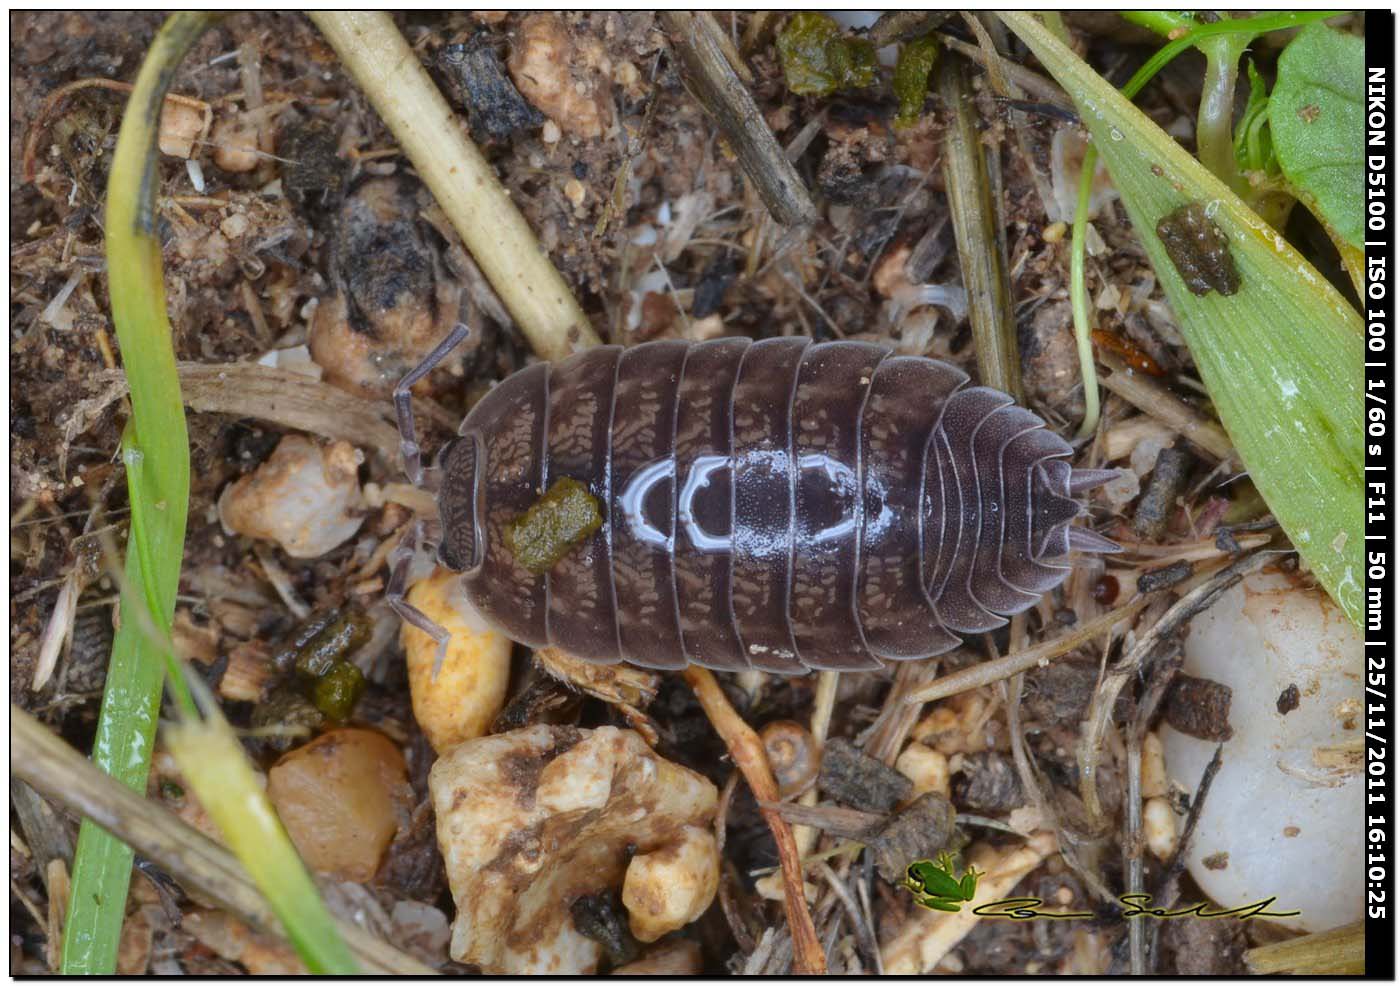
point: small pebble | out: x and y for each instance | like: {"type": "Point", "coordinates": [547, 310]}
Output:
{"type": "Point", "coordinates": [305, 497]}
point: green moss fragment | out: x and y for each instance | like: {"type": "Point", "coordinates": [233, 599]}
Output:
{"type": "Point", "coordinates": [916, 61]}
{"type": "Point", "coordinates": [557, 523]}
{"type": "Point", "coordinates": [335, 693]}
{"type": "Point", "coordinates": [284, 710]}
{"type": "Point", "coordinates": [331, 638]}
{"type": "Point", "coordinates": [818, 59]}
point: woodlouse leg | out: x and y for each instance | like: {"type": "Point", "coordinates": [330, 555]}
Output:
{"type": "Point", "coordinates": [396, 595]}
{"type": "Point", "coordinates": [403, 402]}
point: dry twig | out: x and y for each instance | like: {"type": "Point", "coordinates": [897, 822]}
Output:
{"type": "Point", "coordinates": [987, 672]}
{"type": "Point", "coordinates": [282, 397]}
{"type": "Point", "coordinates": [747, 751]}
{"type": "Point", "coordinates": [460, 178]}
{"type": "Point", "coordinates": [1153, 398]}
{"type": "Point", "coordinates": [1096, 719]}
{"type": "Point", "coordinates": [695, 38]}
{"type": "Point", "coordinates": [976, 225]}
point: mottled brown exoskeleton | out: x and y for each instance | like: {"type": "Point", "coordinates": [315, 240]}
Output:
{"type": "Point", "coordinates": [780, 504]}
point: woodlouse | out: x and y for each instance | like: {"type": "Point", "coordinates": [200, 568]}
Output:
{"type": "Point", "coordinates": [778, 504]}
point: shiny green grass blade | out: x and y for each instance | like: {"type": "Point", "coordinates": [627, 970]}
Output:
{"type": "Point", "coordinates": [155, 450]}
{"type": "Point", "coordinates": [158, 480]}
{"type": "Point", "coordinates": [1282, 357]}
{"type": "Point", "coordinates": [213, 762]}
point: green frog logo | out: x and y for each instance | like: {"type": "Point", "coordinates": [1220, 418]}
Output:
{"type": "Point", "coordinates": [935, 885]}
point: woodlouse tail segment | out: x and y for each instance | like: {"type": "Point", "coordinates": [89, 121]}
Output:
{"type": "Point", "coordinates": [1081, 481]}
{"type": "Point", "coordinates": [1083, 539]}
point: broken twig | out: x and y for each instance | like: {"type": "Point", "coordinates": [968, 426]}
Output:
{"type": "Point", "coordinates": [713, 81]}
{"type": "Point", "coordinates": [1004, 667]}
{"type": "Point", "coordinates": [460, 178]}
{"type": "Point", "coordinates": [975, 213]}
{"type": "Point", "coordinates": [747, 751]}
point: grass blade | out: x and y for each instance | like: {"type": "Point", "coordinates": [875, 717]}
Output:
{"type": "Point", "coordinates": [155, 449]}
{"type": "Point", "coordinates": [1282, 357]}
{"type": "Point", "coordinates": [214, 764]}
{"type": "Point", "coordinates": [159, 494]}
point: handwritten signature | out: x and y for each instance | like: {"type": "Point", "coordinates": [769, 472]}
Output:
{"type": "Point", "coordinates": [1134, 906]}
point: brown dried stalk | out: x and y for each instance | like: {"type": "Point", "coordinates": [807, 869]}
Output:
{"type": "Point", "coordinates": [1097, 717]}
{"type": "Point", "coordinates": [696, 40]}
{"type": "Point", "coordinates": [988, 672]}
{"type": "Point", "coordinates": [976, 211]}
{"type": "Point", "coordinates": [460, 178]}
{"type": "Point", "coordinates": [282, 397]}
{"type": "Point", "coordinates": [1153, 398]}
{"type": "Point", "coordinates": [747, 752]}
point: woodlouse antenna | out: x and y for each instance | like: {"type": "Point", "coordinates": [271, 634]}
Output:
{"type": "Point", "coordinates": [403, 401]}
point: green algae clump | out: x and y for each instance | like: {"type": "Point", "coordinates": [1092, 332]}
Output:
{"type": "Point", "coordinates": [818, 59]}
{"type": "Point", "coordinates": [554, 525]}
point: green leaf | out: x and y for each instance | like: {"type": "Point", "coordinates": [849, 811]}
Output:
{"type": "Point", "coordinates": [1254, 146]}
{"type": "Point", "coordinates": [216, 766]}
{"type": "Point", "coordinates": [1317, 122]}
{"type": "Point", "coordinates": [1281, 356]}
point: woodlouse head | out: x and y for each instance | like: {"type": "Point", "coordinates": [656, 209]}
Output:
{"type": "Point", "coordinates": [462, 540]}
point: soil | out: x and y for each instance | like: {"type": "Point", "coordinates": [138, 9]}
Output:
{"type": "Point", "coordinates": [655, 227]}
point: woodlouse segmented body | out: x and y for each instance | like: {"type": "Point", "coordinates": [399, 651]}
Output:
{"type": "Point", "coordinates": [778, 504]}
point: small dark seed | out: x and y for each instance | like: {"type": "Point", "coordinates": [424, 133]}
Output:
{"type": "Point", "coordinates": [1200, 707]}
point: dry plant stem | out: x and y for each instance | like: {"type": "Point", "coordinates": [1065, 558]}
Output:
{"type": "Point", "coordinates": [1096, 719]}
{"type": "Point", "coordinates": [283, 397]}
{"type": "Point", "coordinates": [1339, 952]}
{"type": "Point", "coordinates": [747, 751]}
{"type": "Point", "coordinates": [1011, 691]}
{"type": "Point", "coordinates": [1155, 399]}
{"type": "Point", "coordinates": [976, 226]}
{"type": "Point", "coordinates": [822, 707]}
{"type": "Point", "coordinates": [988, 672]}
{"type": "Point", "coordinates": [696, 40]}
{"type": "Point", "coordinates": [1132, 853]}
{"type": "Point", "coordinates": [460, 178]}
{"type": "Point", "coordinates": [1036, 85]}
{"type": "Point", "coordinates": [904, 25]}
{"type": "Point", "coordinates": [65, 777]}
{"type": "Point", "coordinates": [864, 933]}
